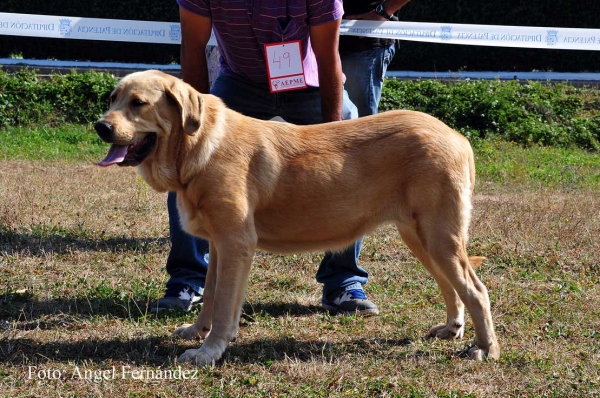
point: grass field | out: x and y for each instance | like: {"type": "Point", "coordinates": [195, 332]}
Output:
{"type": "Point", "coordinates": [82, 252]}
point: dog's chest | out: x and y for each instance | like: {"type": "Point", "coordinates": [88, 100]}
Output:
{"type": "Point", "coordinates": [191, 221]}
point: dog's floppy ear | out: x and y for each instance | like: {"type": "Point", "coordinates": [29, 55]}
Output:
{"type": "Point", "coordinates": [189, 103]}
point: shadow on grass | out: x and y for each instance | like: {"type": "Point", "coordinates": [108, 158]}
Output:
{"type": "Point", "coordinates": [280, 309]}
{"type": "Point", "coordinates": [41, 241]}
{"type": "Point", "coordinates": [162, 351]}
{"type": "Point", "coordinates": [77, 315]}
{"type": "Point", "coordinates": [28, 309]}
{"type": "Point", "coordinates": [154, 351]}
{"type": "Point", "coordinates": [267, 350]}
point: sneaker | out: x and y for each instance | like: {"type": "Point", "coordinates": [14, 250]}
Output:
{"type": "Point", "coordinates": [179, 297]}
{"type": "Point", "coordinates": [348, 302]}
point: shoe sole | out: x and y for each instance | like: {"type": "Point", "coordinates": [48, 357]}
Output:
{"type": "Point", "coordinates": [333, 310]}
{"type": "Point", "coordinates": [154, 310]}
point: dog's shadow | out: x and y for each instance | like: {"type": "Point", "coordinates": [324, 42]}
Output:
{"type": "Point", "coordinates": [76, 314]}
{"type": "Point", "coordinates": [290, 349]}
{"type": "Point", "coordinates": [162, 351]}
{"type": "Point", "coordinates": [39, 242]}
{"type": "Point", "coordinates": [31, 312]}
{"type": "Point", "coordinates": [279, 309]}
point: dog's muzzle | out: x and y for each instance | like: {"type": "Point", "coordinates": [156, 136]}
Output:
{"type": "Point", "coordinates": [123, 155]}
{"type": "Point", "coordinates": [105, 130]}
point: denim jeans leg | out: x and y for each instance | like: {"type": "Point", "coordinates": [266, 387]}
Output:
{"type": "Point", "coordinates": [188, 259]}
{"type": "Point", "coordinates": [340, 270]}
{"type": "Point", "coordinates": [385, 58]}
{"type": "Point", "coordinates": [365, 72]}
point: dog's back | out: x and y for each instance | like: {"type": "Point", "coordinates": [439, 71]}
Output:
{"type": "Point", "coordinates": [356, 175]}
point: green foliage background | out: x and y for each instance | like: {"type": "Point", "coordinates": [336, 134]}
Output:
{"type": "Point", "coordinates": [534, 113]}
{"type": "Point", "coordinates": [27, 98]}
{"type": "Point", "coordinates": [541, 113]}
{"type": "Point", "coordinates": [412, 55]}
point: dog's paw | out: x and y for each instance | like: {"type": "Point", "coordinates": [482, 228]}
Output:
{"type": "Point", "coordinates": [451, 331]}
{"type": "Point", "coordinates": [479, 354]}
{"type": "Point", "coordinates": [189, 331]}
{"type": "Point", "coordinates": [476, 354]}
{"type": "Point", "coordinates": [198, 357]}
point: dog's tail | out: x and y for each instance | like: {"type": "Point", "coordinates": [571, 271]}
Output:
{"type": "Point", "coordinates": [476, 261]}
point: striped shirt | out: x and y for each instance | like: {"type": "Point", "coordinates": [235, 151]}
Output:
{"type": "Point", "coordinates": [243, 27]}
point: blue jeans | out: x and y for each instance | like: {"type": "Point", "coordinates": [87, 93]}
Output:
{"type": "Point", "coordinates": [338, 270]}
{"type": "Point", "coordinates": [365, 72]}
{"type": "Point", "coordinates": [188, 259]}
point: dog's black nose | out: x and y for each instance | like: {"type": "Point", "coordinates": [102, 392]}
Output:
{"type": "Point", "coordinates": [105, 130]}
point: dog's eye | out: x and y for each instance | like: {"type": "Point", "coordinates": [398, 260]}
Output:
{"type": "Point", "coordinates": [113, 98]}
{"type": "Point", "coordinates": [137, 102]}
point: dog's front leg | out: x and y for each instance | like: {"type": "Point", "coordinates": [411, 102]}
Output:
{"type": "Point", "coordinates": [203, 324]}
{"type": "Point", "coordinates": [234, 258]}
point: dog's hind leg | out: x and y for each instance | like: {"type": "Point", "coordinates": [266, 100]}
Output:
{"type": "Point", "coordinates": [201, 328]}
{"type": "Point", "coordinates": [447, 249]}
{"type": "Point", "coordinates": [454, 326]}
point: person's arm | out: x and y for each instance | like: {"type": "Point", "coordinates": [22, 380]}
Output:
{"type": "Point", "coordinates": [324, 40]}
{"type": "Point", "coordinates": [390, 7]}
{"type": "Point", "coordinates": [195, 33]}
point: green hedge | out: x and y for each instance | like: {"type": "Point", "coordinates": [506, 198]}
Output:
{"type": "Point", "coordinates": [533, 113]}
{"type": "Point", "coordinates": [26, 98]}
{"type": "Point", "coordinates": [412, 56]}
{"type": "Point", "coordinates": [541, 113]}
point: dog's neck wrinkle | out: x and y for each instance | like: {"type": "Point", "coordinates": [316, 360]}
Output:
{"type": "Point", "coordinates": [164, 176]}
{"type": "Point", "coordinates": [168, 176]}
{"type": "Point", "coordinates": [204, 143]}
{"type": "Point", "coordinates": [180, 158]}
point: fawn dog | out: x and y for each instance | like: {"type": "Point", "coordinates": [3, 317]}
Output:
{"type": "Point", "coordinates": [244, 184]}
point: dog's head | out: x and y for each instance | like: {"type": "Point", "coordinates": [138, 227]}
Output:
{"type": "Point", "coordinates": [149, 112]}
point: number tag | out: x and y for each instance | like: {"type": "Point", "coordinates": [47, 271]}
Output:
{"type": "Point", "coordinates": [284, 66]}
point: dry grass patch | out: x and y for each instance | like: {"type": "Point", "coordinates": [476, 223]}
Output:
{"type": "Point", "coordinates": [82, 252]}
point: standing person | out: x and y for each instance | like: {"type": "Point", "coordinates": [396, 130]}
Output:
{"type": "Point", "coordinates": [243, 30]}
{"type": "Point", "coordinates": [364, 59]}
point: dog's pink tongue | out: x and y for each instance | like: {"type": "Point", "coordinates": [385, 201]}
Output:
{"type": "Point", "coordinates": [116, 154]}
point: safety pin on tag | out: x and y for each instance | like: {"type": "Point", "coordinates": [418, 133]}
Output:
{"type": "Point", "coordinates": [284, 66]}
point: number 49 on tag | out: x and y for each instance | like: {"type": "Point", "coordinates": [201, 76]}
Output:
{"type": "Point", "coordinates": [284, 66]}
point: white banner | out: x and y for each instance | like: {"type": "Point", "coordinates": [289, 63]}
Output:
{"type": "Point", "coordinates": [479, 35]}
{"type": "Point", "coordinates": [89, 28]}
{"type": "Point", "coordinates": [170, 32]}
